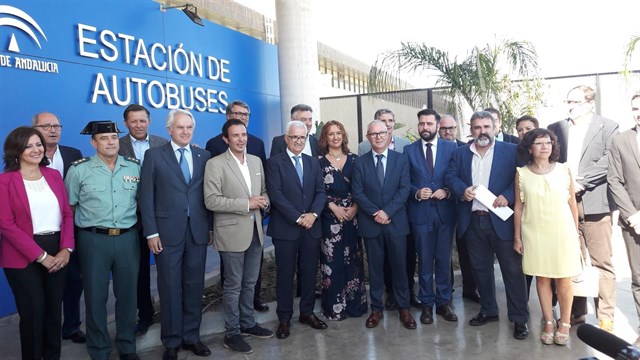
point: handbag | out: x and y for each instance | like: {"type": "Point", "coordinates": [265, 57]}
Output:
{"type": "Point", "coordinates": [587, 283]}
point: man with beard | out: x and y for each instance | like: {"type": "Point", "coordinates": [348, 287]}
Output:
{"type": "Point", "coordinates": [431, 215]}
{"type": "Point", "coordinates": [491, 164]}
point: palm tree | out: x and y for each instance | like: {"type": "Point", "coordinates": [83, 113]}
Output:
{"type": "Point", "coordinates": [628, 54]}
{"type": "Point", "coordinates": [476, 80]}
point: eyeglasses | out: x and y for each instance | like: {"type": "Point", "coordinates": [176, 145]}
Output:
{"type": "Point", "coordinates": [449, 129]}
{"type": "Point", "coordinates": [241, 114]}
{"type": "Point", "coordinates": [545, 143]}
{"type": "Point", "coordinates": [381, 134]}
{"type": "Point", "coordinates": [574, 102]}
{"type": "Point", "coordinates": [47, 127]}
{"type": "Point", "coordinates": [297, 138]}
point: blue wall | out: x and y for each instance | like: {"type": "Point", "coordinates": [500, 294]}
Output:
{"type": "Point", "coordinates": [96, 57]}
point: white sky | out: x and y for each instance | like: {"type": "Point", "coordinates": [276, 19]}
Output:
{"type": "Point", "coordinates": [571, 37]}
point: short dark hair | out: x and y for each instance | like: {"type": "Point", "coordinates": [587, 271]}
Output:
{"type": "Point", "coordinates": [636, 96]}
{"type": "Point", "coordinates": [525, 157]}
{"type": "Point", "coordinates": [236, 103]}
{"type": "Point", "coordinates": [300, 107]}
{"type": "Point", "coordinates": [494, 111]}
{"type": "Point", "coordinates": [229, 123]}
{"type": "Point", "coordinates": [16, 144]}
{"type": "Point", "coordinates": [588, 91]}
{"type": "Point", "coordinates": [383, 111]}
{"type": "Point", "coordinates": [528, 118]}
{"type": "Point", "coordinates": [425, 112]}
{"type": "Point", "coordinates": [323, 142]}
{"type": "Point", "coordinates": [135, 107]}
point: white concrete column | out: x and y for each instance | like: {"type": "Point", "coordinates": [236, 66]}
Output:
{"type": "Point", "coordinates": [297, 56]}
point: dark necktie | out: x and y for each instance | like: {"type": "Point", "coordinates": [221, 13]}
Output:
{"type": "Point", "coordinates": [380, 169]}
{"type": "Point", "coordinates": [430, 158]}
{"type": "Point", "coordinates": [184, 166]}
{"type": "Point", "coordinates": [298, 168]}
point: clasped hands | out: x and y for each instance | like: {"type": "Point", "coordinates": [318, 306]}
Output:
{"type": "Point", "coordinates": [426, 194]}
{"type": "Point", "coordinates": [258, 202]}
{"type": "Point", "coordinates": [470, 194]}
{"type": "Point", "coordinates": [56, 263]}
{"type": "Point", "coordinates": [343, 213]}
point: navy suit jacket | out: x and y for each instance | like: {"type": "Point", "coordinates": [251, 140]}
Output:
{"type": "Point", "coordinates": [278, 145]}
{"type": "Point", "coordinates": [290, 199]}
{"type": "Point", "coordinates": [255, 146]}
{"type": "Point", "coordinates": [391, 198]}
{"type": "Point", "coordinates": [420, 212]}
{"type": "Point", "coordinates": [69, 154]}
{"type": "Point", "coordinates": [508, 138]}
{"type": "Point", "coordinates": [165, 196]}
{"type": "Point", "coordinates": [501, 182]}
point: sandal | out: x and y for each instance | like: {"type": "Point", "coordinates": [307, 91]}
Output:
{"type": "Point", "coordinates": [547, 338]}
{"type": "Point", "coordinates": [560, 338]}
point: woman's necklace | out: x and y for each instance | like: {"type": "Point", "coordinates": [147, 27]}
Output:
{"type": "Point", "coordinates": [336, 157]}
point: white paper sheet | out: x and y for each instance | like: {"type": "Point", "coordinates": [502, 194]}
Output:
{"type": "Point", "coordinates": [487, 198]}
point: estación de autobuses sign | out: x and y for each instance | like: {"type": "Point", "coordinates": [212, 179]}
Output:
{"type": "Point", "coordinates": [88, 60]}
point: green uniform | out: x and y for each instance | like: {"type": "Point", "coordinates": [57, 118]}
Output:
{"type": "Point", "coordinates": [103, 200]}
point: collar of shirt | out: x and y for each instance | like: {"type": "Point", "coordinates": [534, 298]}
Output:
{"type": "Point", "coordinates": [291, 155]}
{"type": "Point", "coordinates": [500, 136]}
{"type": "Point", "coordinates": [176, 147]}
{"type": "Point", "coordinates": [473, 149]}
{"type": "Point", "coordinates": [57, 162]}
{"type": "Point", "coordinates": [236, 158]}
{"type": "Point", "coordinates": [374, 153]}
{"type": "Point", "coordinates": [134, 140]}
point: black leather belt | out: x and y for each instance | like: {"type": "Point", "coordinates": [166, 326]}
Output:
{"type": "Point", "coordinates": [480, 213]}
{"type": "Point", "coordinates": [110, 232]}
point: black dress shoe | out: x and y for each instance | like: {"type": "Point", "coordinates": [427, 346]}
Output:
{"type": "Point", "coordinates": [446, 311]}
{"type": "Point", "coordinates": [77, 337]}
{"type": "Point", "coordinates": [141, 328]}
{"type": "Point", "coordinates": [390, 304]}
{"type": "Point", "coordinates": [129, 356]}
{"type": "Point", "coordinates": [427, 315]}
{"type": "Point", "coordinates": [520, 331]}
{"type": "Point", "coordinates": [471, 295]}
{"type": "Point", "coordinates": [198, 349]}
{"type": "Point", "coordinates": [260, 306]}
{"type": "Point", "coordinates": [415, 302]}
{"type": "Point", "coordinates": [170, 354]}
{"type": "Point", "coordinates": [313, 321]}
{"type": "Point", "coordinates": [482, 319]}
{"type": "Point", "coordinates": [283, 331]}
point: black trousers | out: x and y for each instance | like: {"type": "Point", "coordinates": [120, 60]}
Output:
{"type": "Point", "coordinates": [38, 295]}
{"type": "Point", "coordinates": [145, 305]}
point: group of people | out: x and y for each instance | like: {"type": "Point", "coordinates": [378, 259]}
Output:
{"type": "Point", "coordinates": [68, 222]}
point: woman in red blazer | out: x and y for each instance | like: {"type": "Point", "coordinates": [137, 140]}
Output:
{"type": "Point", "coordinates": [36, 224]}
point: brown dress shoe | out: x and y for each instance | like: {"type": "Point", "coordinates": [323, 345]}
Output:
{"type": "Point", "coordinates": [427, 315]}
{"type": "Point", "coordinates": [446, 311]}
{"type": "Point", "coordinates": [374, 319]}
{"type": "Point", "coordinates": [283, 331]}
{"type": "Point", "coordinates": [406, 319]}
{"type": "Point", "coordinates": [313, 321]}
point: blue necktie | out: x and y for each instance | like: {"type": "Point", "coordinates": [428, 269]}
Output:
{"type": "Point", "coordinates": [184, 166]}
{"type": "Point", "coordinates": [380, 169]}
{"type": "Point", "coordinates": [298, 168]}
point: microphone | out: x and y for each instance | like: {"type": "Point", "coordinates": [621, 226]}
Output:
{"type": "Point", "coordinates": [607, 343]}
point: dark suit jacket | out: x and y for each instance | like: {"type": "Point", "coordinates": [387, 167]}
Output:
{"type": "Point", "coordinates": [165, 196]}
{"type": "Point", "coordinates": [594, 163]}
{"type": "Point", "coordinates": [391, 198]}
{"type": "Point", "coordinates": [278, 145]}
{"type": "Point", "coordinates": [503, 172]}
{"type": "Point", "coordinates": [69, 154]}
{"type": "Point", "coordinates": [422, 211]}
{"type": "Point", "coordinates": [290, 199]}
{"type": "Point", "coordinates": [126, 148]}
{"type": "Point", "coordinates": [508, 138]}
{"type": "Point", "coordinates": [624, 173]}
{"type": "Point", "coordinates": [255, 146]}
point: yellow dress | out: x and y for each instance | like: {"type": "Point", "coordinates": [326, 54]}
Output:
{"type": "Point", "coordinates": [549, 236]}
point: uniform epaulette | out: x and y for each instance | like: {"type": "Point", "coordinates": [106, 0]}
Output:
{"type": "Point", "coordinates": [80, 161]}
{"type": "Point", "coordinates": [132, 159]}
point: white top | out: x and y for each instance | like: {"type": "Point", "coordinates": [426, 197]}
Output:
{"type": "Point", "coordinates": [56, 162]}
{"type": "Point", "coordinates": [481, 171]}
{"type": "Point", "coordinates": [43, 203]}
{"type": "Point", "coordinates": [244, 170]}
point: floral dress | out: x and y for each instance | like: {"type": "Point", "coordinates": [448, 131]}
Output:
{"type": "Point", "coordinates": [341, 252]}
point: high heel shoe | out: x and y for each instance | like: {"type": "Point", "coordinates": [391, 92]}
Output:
{"type": "Point", "coordinates": [547, 338]}
{"type": "Point", "coordinates": [560, 338]}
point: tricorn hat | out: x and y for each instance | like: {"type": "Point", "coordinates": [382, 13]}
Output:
{"type": "Point", "coordinates": [100, 127]}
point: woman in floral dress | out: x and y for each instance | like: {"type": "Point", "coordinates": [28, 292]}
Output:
{"type": "Point", "coordinates": [341, 256]}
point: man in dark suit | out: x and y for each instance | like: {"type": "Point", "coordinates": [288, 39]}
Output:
{"type": "Point", "coordinates": [60, 158]}
{"type": "Point", "coordinates": [303, 113]}
{"type": "Point", "coordinates": [137, 119]}
{"type": "Point", "coordinates": [176, 226]}
{"type": "Point", "coordinates": [381, 187]}
{"type": "Point", "coordinates": [432, 215]}
{"type": "Point", "coordinates": [238, 109]}
{"type": "Point", "coordinates": [500, 135]}
{"type": "Point", "coordinates": [624, 186]}
{"type": "Point", "coordinates": [296, 189]}
{"type": "Point", "coordinates": [585, 139]}
{"type": "Point", "coordinates": [491, 164]}
{"type": "Point", "coordinates": [448, 130]}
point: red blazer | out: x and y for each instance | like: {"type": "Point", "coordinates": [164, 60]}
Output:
{"type": "Point", "coordinates": [17, 247]}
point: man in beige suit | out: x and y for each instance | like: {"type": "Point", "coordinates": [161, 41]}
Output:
{"type": "Point", "coordinates": [235, 190]}
{"type": "Point", "coordinates": [624, 187]}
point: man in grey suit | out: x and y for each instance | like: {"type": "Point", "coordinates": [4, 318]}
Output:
{"type": "Point", "coordinates": [236, 191]}
{"type": "Point", "coordinates": [585, 139]}
{"type": "Point", "coordinates": [176, 226]}
{"type": "Point", "coordinates": [624, 186]}
{"type": "Point", "coordinates": [396, 143]}
{"type": "Point", "coordinates": [137, 119]}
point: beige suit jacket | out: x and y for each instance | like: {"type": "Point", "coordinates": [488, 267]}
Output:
{"type": "Point", "coordinates": [624, 173]}
{"type": "Point", "coordinates": [227, 195]}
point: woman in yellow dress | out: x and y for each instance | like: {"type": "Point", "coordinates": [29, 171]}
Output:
{"type": "Point", "coordinates": [546, 223]}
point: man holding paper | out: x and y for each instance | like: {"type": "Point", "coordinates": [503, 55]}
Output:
{"type": "Point", "coordinates": [492, 165]}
